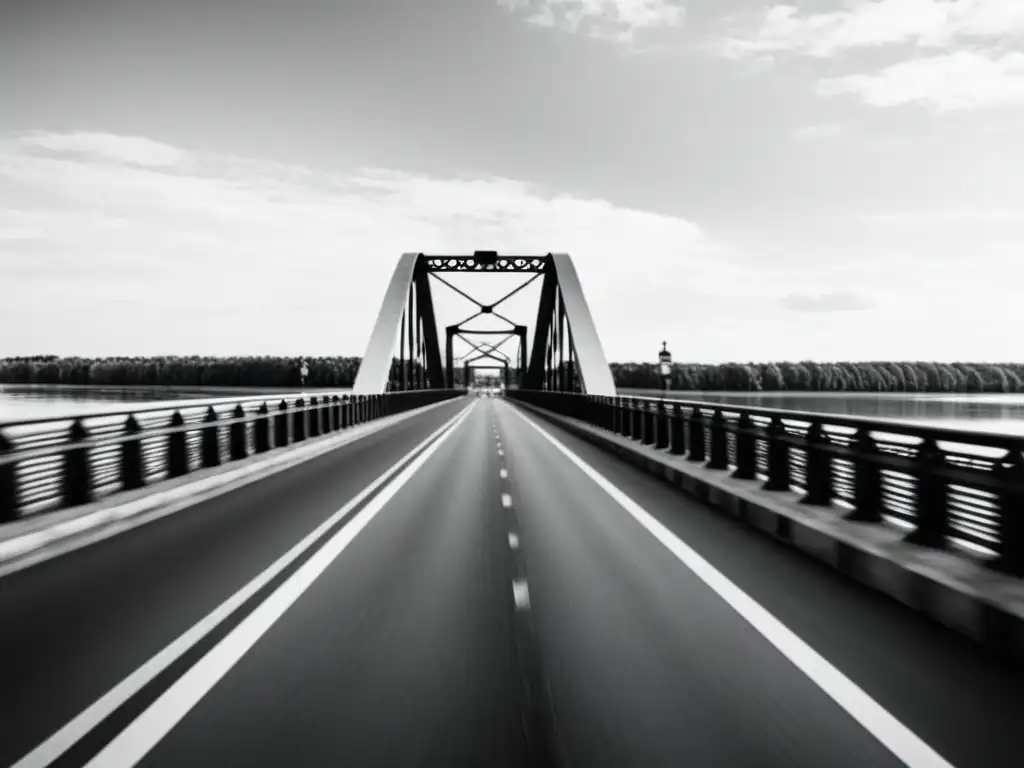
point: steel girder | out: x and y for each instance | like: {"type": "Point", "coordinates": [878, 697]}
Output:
{"type": "Point", "coordinates": [566, 354]}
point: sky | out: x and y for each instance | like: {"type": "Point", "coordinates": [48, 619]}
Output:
{"type": "Point", "coordinates": [829, 180]}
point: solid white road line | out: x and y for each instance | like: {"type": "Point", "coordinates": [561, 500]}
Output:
{"type": "Point", "coordinates": [521, 594]}
{"type": "Point", "coordinates": [135, 741]}
{"type": "Point", "coordinates": [506, 500]}
{"type": "Point", "coordinates": [74, 730]}
{"type": "Point", "coordinates": [899, 739]}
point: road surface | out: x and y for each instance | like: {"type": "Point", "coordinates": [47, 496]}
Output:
{"type": "Point", "coordinates": [508, 595]}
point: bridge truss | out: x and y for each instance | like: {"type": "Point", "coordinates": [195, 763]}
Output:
{"type": "Point", "coordinates": [566, 353]}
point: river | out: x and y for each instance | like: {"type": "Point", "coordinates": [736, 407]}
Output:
{"type": "Point", "coordinates": [988, 412]}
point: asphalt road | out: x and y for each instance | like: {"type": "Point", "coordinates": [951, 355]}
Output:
{"type": "Point", "coordinates": [488, 603]}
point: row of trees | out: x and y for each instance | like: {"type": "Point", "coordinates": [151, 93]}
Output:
{"type": "Point", "coordinates": [340, 372]}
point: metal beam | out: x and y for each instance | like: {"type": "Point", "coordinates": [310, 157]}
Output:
{"type": "Point", "coordinates": [591, 365]}
{"type": "Point", "coordinates": [372, 377]}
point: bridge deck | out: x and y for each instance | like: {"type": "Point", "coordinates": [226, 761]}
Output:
{"type": "Point", "coordinates": [409, 646]}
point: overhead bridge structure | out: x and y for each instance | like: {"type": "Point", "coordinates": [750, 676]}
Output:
{"type": "Point", "coordinates": [404, 352]}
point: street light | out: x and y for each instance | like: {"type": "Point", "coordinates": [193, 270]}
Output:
{"type": "Point", "coordinates": [303, 372]}
{"type": "Point", "coordinates": [665, 365]}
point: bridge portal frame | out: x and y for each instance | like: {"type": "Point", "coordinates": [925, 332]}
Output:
{"type": "Point", "coordinates": [566, 352]}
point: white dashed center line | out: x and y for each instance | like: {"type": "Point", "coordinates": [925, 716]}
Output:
{"type": "Point", "coordinates": [513, 541]}
{"type": "Point", "coordinates": [503, 473]}
{"type": "Point", "coordinates": [501, 452]}
{"type": "Point", "coordinates": [521, 594]}
{"type": "Point", "coordinates": [506, 500]}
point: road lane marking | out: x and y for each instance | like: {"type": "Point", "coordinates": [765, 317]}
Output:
{"type": "Point", "coordinates": [71, 733]}
{"type": "Point", "coordinates": [147, 730]}
{"type": "Point", "coordinates": [501, 452]}
{"type": "Point", "coordinates": [521, 594]}
{"type": "Point", "coordinates": [506, 500]}
{"type": "Point", "coordinates": [503, 473]}
{"type": "Point", "coordinates": [872, 716]}
{"type": "Point", "coordinates": [513, 541]}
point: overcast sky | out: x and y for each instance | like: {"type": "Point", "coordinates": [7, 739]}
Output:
{"type": "Point", "coordinates": [827, 180]}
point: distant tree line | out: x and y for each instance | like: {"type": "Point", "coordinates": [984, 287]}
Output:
{"type": "Point", "coordinates": [340, 372]}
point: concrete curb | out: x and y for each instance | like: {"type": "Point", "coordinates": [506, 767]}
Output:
{"type": "Point", "coordinates": [951, 589]}
{"type": "Point", "coordinates": [47, 534]}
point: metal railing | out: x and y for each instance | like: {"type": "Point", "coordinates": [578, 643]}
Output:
{"type": "Point", "coordinates": [48, 464]}
{"type": "Point", "coordinates": [945, 488]}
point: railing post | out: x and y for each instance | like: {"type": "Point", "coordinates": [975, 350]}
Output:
{"type": "Point", "coordinates": [636, 429]}
{"type": "Point", "coordinates": [346, 412]}
{"type": "Point", "coordinates": [335, 413]}
{"type": "Point", "coordinates": [719, 441]}
{"type": "Point", "coordinates": [778, 457]}
{"type": "Point", "coordinates": [211, 440]}
{"type": "Point", "coordinates": [177, 447]}
{"type": "Point", "coordinates": [621, 416]}
{"type": "Point", "coordinates": [1010, 551]}
{"type": "Point", "coordinates": [261, 430]}
{"type": "Point", "coordinates": [8, 483]}
{"type": "Point", "coordinates": [678, 433]}
{"type": "Point", "coordinates": [746, 448]}
{"type": "Point", "coordinates": [131, 456]}
{"type": "Point", "coordinates": [236, 435]}
{"type": "Point", "coordinates": [932, 500]}
{"type": "Point", "coordinates": [648, 419]}
{"type": "Point", "coordinates": [314, 414]}
{"type": "Point", "coordinates": [281, 425]}
{"type": "Point", "coordinates": [77, 475]}
{"type": "Point", "coordinates": [696, 435]}
{"type": "Point", "coordinates": [867, 480]}
{"type": "Point", "coordinates": [299, 421]}
{"type": "Point", "coordinates": [609, 413]}
{"type": "Point", "coordinates": [661, 437]}
{"type": "Point", "coordinates": [818, 488]}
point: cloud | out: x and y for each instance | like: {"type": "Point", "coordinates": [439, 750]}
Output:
{"type": "Point", "coordinates": [834, 301]}
{"type": "Point", "coordinates": [615, 20]}
{"type": "Point", "coordinates": [957, 81]}
{"type": "Point", "coordinates": [122, 149]}
{"type": "Point", "coordinates": [819, 131]}
{"type": "Point", "coordinates": [871, 24]}
{"type": "Point", "coordinates": [241, 255]}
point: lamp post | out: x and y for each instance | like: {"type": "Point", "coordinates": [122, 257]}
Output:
{"type": "Point", "coordinates": [665, 366]}
{"type": "Point", "coordinates": [303, 373]}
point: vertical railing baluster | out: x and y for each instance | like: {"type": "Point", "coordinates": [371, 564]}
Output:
{"type": "Point", "coordinates": [299, 421]}
{"type": "Point", "coordinates": [661, 432]}
{"type": "Point", "coordinates": [77, 475]}
{"type": "Point", "coordinates": [697, 451]}
{"type": "Point", "coordinates": [818, 487]}
{"type": "Point", "coordinates": [281, 425]}
{"type": "Point", "coordinates": [1009, 471]}
{"type": "Point", "coordinates": [778, 456]}
{"type": "Point", "coordinates": [177, 447]}
{"type": "Point", "coordinates": [678, 432]}
{"type": "Point", "coordinates": [719, 458]}
{"type": "Point", "coordinates": [314, 414]}
{"type": "Point", "coordinates": [746, 448]}
{"type": "Point", "coordinates": [8, 482]}
{"type": "Point", "coordinates": [932, 519]}
{"type": "Point", "coordinates": [261, 429]}
{"type": "Point", "coordinates": [867, 480]}
{"type": "Point", "coordinates": [211, 439]}
{"type": "Point", "coordinates": [236, 435]}
{"type": "Point", "coordinates": [648, 422]}
{"type": "Point", "coordinates": [131, 456]}
{"type": "Point", "coordinates": [346, 412]}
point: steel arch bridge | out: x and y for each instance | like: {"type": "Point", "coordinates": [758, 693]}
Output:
{"type": "Point", "coordinates": [566, 353]}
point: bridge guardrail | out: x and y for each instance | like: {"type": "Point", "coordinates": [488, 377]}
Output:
{"type": "Point", "coordinates": [48, 464]}
{"type": "Point", "coordinates": [947, 488]}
